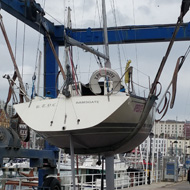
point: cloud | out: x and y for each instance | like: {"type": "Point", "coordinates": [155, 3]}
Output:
{"type": "Point", "coordinates": [144, 10]}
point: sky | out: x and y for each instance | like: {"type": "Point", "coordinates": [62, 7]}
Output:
{"type": "Point", "coordinates": [146, 58]}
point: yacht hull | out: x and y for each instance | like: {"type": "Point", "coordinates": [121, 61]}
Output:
{"type": "Point", "coordinates": [97, 124]}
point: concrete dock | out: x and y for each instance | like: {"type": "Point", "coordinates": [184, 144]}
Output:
{"type": "Point", "coordinates": [182, 185]}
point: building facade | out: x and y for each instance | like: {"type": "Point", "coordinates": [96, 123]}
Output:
{"type": "Point", "coordinates": [178, 147]}
{"type": "Point", "coordinates": [169, 129]}
{"type": "Point", "coordinates": [160, 147]}
{"type": "Point", "coordinates": [157, 146]}
{"type": "Point", "coordinates": [171, 138]}
{"type": "Point", "coordinates": [187, 130]}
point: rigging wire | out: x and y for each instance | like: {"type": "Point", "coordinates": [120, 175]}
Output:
{"type": "Point", "coordinates": [122, 35]}
{"type": "Point", "coordinates": [82, 21]}
{"type": "Point", "coordinates": [23, 49]}
{"type": "Point", "coordinates": [90, 64]}
{"type": "Point", "coordinates": [13, 58]}
{"type": "Point", "coordinates": [73, 70]}
{"type": "Point", "coordinates": [77, 57]}
{"type": "Point", "coordinates": [16, 36]}
{"type": "Point", "coordinates": [115, 20]}
{"type": "Point", "coordinates": [64, 8]}
{"type": "Point", "coordinates": [59, 22]}
{"type": "Point", "coordinates": [99, 15]}
{"type": "Point", "coordinates": [14, 99]}
{"type": "Point", "coordinates": [68, 24]}
{"type": "Point", "coordinates": [83, 8]}
{"type": "Point", "coordinates": [36, 61]}
{"type": "Point", "coordinates": [96, 58]}
{"type": "Point", "coordinates": [136, 50]}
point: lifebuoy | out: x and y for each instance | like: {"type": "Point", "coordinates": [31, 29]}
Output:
{"type": "Point", "coordinates": [104, 72]}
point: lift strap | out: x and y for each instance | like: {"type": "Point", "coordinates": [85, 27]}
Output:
{"type": "Point", "coordinates": [11, 91]}
{"type": "Point", "coordinates": [165, 107]}
{"type": "Point", "coordinates": [184, 8]}
{"type": "Point", "coordinates": [173, 82]}
{"type": "Point", "coordinates": [55, 54]}
{"type": "Point", "coordinates": [179, 64]}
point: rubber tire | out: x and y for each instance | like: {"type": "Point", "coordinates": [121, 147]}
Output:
{"type": "Point", "coordinates": [16, 139]}
{"type": "Point", "coordinates": [6, 139]}
{"type": "Point", "coordinates": [51, 183]}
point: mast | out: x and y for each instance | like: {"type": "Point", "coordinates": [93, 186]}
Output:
{"type": "Point", "coordinates": [39, 71]}
{"type": "Point", "coordinates": [71, 41]}
{"type": "Point", "coordinates": [67, 47]}
{"type": "Point", "coordinates": [107, 62]}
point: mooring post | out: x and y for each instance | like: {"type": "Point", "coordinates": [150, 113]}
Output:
{"type": "Point", "coordinates": [72, 161]}
{"type": "Point", "coordinates": [109, 172]}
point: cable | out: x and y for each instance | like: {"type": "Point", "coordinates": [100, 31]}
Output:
{"type": "Point", "coordinates": [23, 48]}
{"type": "Point", "coordinates": [118, 47]}
{"type": "Point", "coordinates": [136, 53]}
{"type": "Point", "coordinates": [16, 35]}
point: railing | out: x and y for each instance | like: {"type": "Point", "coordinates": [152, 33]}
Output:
{"type": "Point", "coordinates": [88, 181]}
{"type": "Point", "coordinates": [141, 83]}
{"type": "Point", "coordinates": [93, 181]}
{"type": "Point", "coordinates": [17, 183]}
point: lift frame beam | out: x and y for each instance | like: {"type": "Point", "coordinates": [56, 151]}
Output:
{"type": "Point", "coordinates": [32, 14]}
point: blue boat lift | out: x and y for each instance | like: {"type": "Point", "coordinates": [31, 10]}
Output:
{"type": "Point", "coordinates": [32, 14]}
